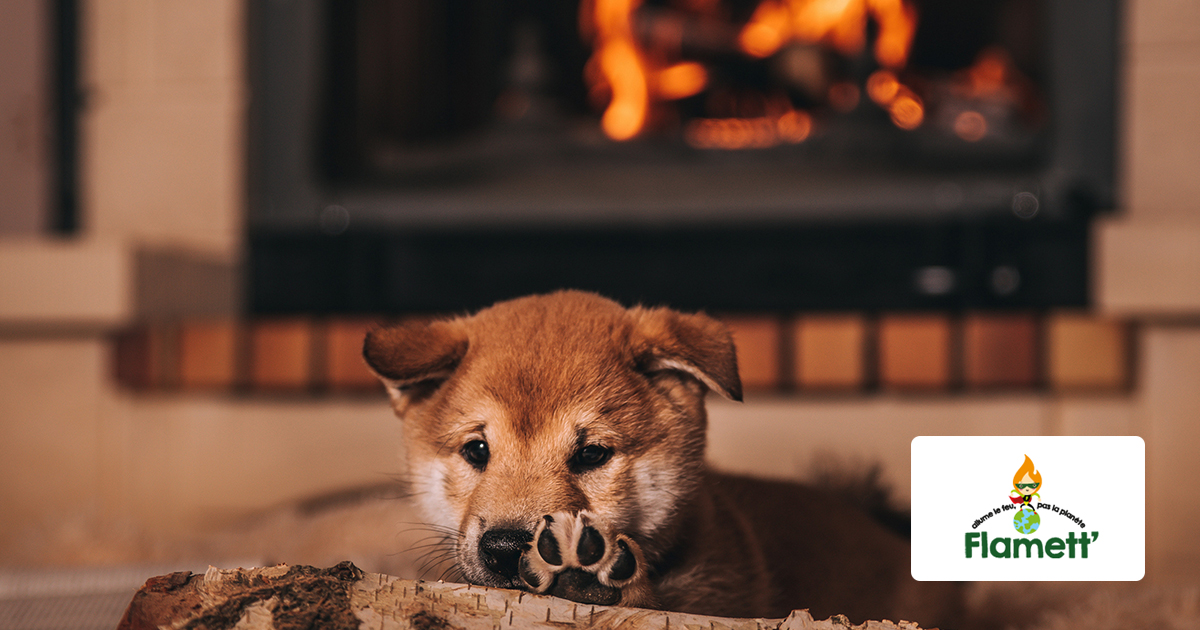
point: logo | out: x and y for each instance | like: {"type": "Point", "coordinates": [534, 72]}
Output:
{"type": "Point", "coordinates": [1028, 508]}
{"type": "Point", "coordinates": [1026, 500]}
{"type": "Point", "coordinates": [1025, 486]}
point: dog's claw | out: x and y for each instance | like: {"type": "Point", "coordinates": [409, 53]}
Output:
{"type": "Point", "coordinates": [531, 577]}
{"type": "Point", "coordinates": [575, 557]}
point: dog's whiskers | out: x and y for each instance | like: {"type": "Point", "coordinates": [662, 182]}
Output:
{"type": "Point", "coordinates": [438, 549]}
{"type": "Point", "coordinates": [451, 574]}
{"type": "Point", "coordinates": [434, 528]}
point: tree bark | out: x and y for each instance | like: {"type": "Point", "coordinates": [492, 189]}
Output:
{"type": "Point", "coordinates": [345, 598]}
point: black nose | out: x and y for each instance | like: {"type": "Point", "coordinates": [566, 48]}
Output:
{"type": "Point", "coordinates": [501, 549]}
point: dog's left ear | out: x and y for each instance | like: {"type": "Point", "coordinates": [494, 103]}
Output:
{"type": "Point", "coordinates": [415, 355]}
{"type": "Point", "coordinates": [691, 343]}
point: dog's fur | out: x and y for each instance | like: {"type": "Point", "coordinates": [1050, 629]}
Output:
{"type": "Point", "coordinates": [541, 379]}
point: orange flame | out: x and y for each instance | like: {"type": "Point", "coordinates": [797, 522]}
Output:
{"type": "Point", "coordinates": [883, 86]}
{"type": "Point", "coordinates": [897, 26]}
{"type": "Point", "coordinates": [990, 74]}
{"type": "Point", "coordinates": [620, 63]}
{"type": "Point", "coordinates": [792, 127]}
{"type": "Point", "coordinates": [629, 80]}
{"type": "Point", "coordinates": [681, 80]}
{"type": "Point", "coordinates": [840, 23]}
{"type": "Point", "coordinates": [632, 79]}
{"type": "Point", "coordinates": [1027, 468]}
{"type": "Point", "coordinates": [906, 109]}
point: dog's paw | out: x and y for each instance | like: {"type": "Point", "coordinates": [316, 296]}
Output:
{"type": "Point", "coordinates": [575, 557]}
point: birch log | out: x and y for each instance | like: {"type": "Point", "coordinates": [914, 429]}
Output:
{"type": "Point", "coordinates": [344, 598]}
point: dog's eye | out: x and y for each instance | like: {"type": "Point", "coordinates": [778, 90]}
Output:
{"type": "Point", "coordinates": [590, 456]}
{"type": "Point", "coordinates": [476, 453]}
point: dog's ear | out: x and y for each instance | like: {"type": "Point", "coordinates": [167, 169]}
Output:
{"type": "Point", "coordinates": [695, 344]}
{"type": "Point", "coordinates": [414, 354]}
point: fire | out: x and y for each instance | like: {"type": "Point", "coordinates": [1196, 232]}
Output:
{"type": "Point", "coordinates": [633, 79]}
{"type": "Point", "coordinates": [907, 110]}
{"type": "Point", "coordinates": [898, 25]}
{"type": "Point", "coordinates": [749, 133]}
{"type": "Point", "coordinates": [883, 86]}
{"type": "Point", "coordinates": [990, 75]}
{"type": "Point", "coordinates": [619, 61]}
{"type": "Point", "coordinates": [841, 24]}
{"type": "Point", "coordinates": [903, 105]}
{"type": "Point", "coordinates": [1027, 468]}
{"type": "Point", "coordinates": [681, 80]}
{"type": "Point", "coordinates": [990, 93]}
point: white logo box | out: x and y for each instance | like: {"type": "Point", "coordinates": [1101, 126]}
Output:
{"type": "Point", "coordinates": [1091, 486]}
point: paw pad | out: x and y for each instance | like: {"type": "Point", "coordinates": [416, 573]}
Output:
{"type": "Point", "coordinates": [577, 558]}
{"type": "Point", "coordinates": [547, 545]}
{"type": "Point", "coordinates": [591, 546]}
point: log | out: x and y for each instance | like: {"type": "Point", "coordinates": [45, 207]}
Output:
{"type": "Point", "coordinates": [343, 597]}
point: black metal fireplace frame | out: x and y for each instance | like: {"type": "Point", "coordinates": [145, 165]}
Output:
{"type": "Point", "coordinates": [310, 250]}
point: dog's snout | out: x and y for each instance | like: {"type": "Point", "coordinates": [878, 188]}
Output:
{"type": "Point", "coordinates": [501, 549]}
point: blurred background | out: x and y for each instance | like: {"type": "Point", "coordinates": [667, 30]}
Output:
{"type": "Point", "coordinates": [919, 217]}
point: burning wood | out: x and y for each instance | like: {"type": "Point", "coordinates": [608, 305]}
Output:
{"type": "Point", "coordinates": [639, 62]}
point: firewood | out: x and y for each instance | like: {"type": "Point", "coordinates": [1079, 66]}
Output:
{"type": "Point", "coordinates": [345, 598]}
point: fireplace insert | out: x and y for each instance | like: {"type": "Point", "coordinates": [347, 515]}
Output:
{"type": "Point", "coordinates": [433, 155]}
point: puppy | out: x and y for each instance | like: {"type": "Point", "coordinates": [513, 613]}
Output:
{"type": "Point", "coordinates": [560, 440]}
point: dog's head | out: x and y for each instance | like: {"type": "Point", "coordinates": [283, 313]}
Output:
{"type": "Point", "coordinates": [560, 402]}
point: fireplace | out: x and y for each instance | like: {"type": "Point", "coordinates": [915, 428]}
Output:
{"type": "Point", "coordinates": [416, 155]}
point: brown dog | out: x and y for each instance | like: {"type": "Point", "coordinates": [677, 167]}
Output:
{"type": "Point", "coordinates": [560, 439]}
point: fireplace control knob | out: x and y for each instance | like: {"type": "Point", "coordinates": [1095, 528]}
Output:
{"type": "Point", "coordinates": [935, 280]}
{"type": "Point", "coordinates": [1026, 205]}
{"type": "Point", "coordinates": [1005, 280]}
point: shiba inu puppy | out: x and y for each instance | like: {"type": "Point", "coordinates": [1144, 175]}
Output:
{"type": "Point", "coordinates": [559, 442]}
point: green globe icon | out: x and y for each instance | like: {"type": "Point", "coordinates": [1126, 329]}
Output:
{"type": "Point", "coordinates": [1026, 521]}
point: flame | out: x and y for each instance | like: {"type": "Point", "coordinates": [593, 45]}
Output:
{"type": "Point", "coordinates": [766, 31]}
{"type": "Point", "coordinates": [760, 132]}
{"type": "Point", "coordinates": [681, 80]}
{"type": "Point", "coordinates": [1027, 468]}
{"type": "Point", "coordinates": [841, 24]}
{"type": "Point", "coordinates": [897, 26]}
{"type": "Point", "coordinates": [620, 70]}
{"type": "Point", "coordinates": [631, 79]}
{"type": "Point", "coordinates": [883, 86]}
{"type": "Point", "coordinates": [619, 62]}
{"type": "Point", "coordinates": [906, 109]}
{"type": "Point", "coordinates": [989, 75]}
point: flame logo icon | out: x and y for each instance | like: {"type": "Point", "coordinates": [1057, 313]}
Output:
{"type": "Point", "coordinates": [1026, 483]}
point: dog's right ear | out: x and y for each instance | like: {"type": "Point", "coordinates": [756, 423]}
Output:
{"type": "Point", "coordinates": [410, 355]}
{"type": "Point", "coordinates": [691, 343]}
